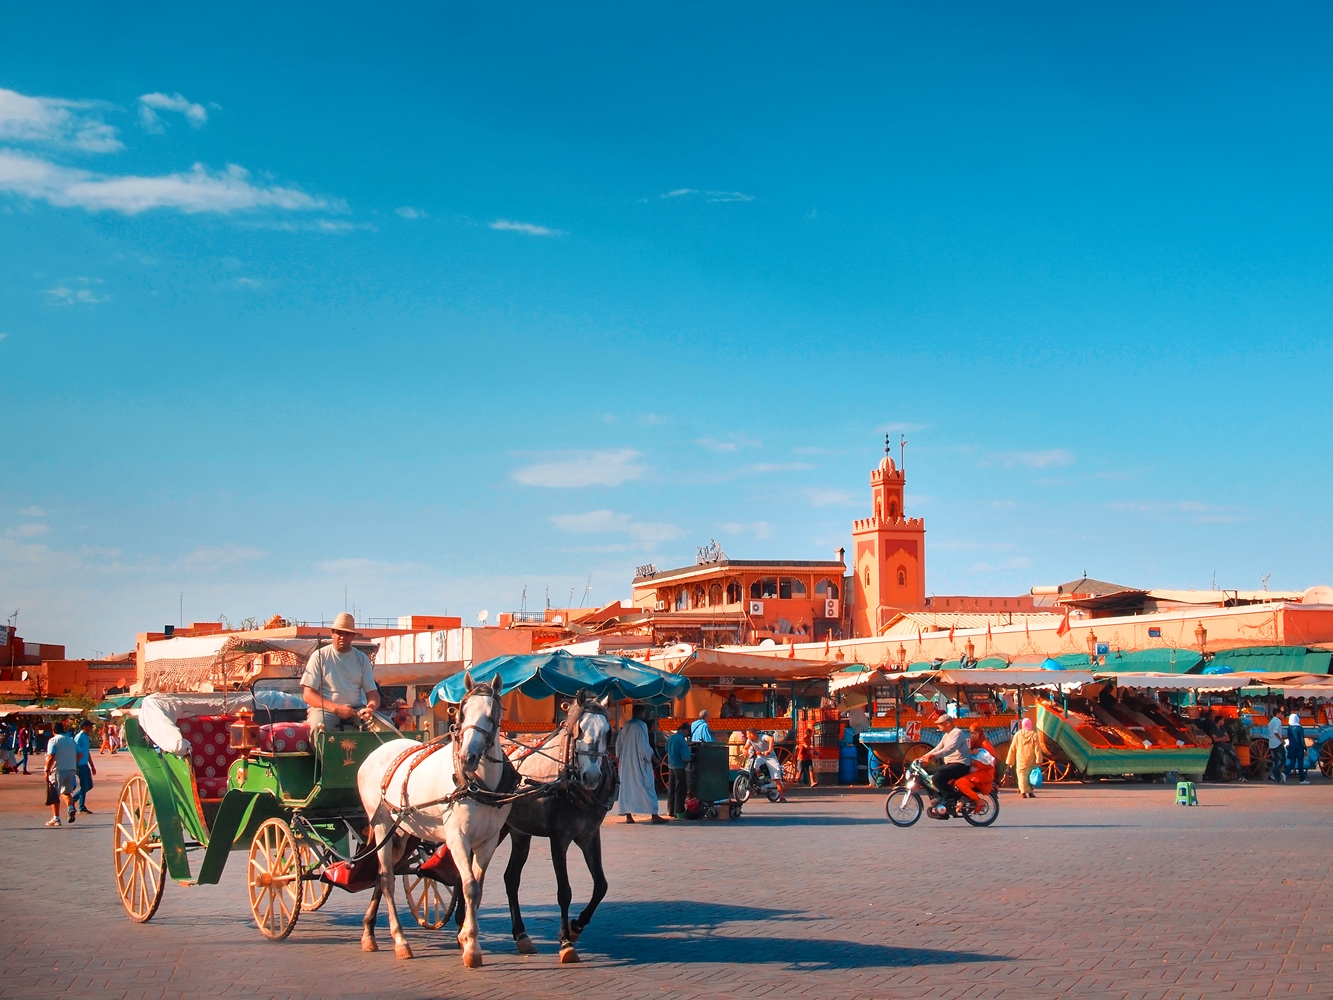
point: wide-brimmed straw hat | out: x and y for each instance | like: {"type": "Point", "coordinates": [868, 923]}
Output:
{"type": "Point", "coordinates": [344, 623]}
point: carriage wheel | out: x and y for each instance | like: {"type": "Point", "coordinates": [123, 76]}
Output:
{"type": "Point", "coordinates": [426, 901]}
{"type": "Point", "coordinates": [141, 872]}
{"type": "Point", "coordinates": [664, 774]}
{"type": "Point", "coordinates": [1261, 762]}
{"type": "Point", "coordinates": [1326, 759]}
{"type": "Point", "coordinates": [787, 762]}
{"type": "Point", "coordinates": [314, 892]}
{"type": "Point", "coordinates": [275, 879]}
{"type": "Point", "coordinates": [1056, 770]}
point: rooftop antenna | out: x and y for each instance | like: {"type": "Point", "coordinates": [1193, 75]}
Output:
{"type": "Point", "coordinates": [182, 609]}
{"type": "Point", "coordinates": [586, 591]}
{"type": "Point", "coordinates": [1263, 580]}
{"type": "Point", "coordinates": [571, 598]}
{"type": "Point", "coordinates": [344, 597]}
{"type": "Point", "coordinates": [902, 453]}
{"type": "Point", "coordinates": [548, 595]}
{"type": "Point", "coordinates": [1214, 579]}
{"type": "Point", "coordinates": [523, 601]}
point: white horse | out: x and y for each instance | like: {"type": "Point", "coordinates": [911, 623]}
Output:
{"type": "Point", "coordinates": [438, 796]}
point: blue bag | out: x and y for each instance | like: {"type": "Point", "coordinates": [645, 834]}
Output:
{"type": "Point", "coordinates": [1034, 778]}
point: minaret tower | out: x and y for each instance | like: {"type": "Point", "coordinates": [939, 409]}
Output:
{"type": "Point", "coordinates": [888, 554]}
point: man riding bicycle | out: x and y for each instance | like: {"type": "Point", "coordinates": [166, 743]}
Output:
{"type": "Point", "coordinates": [953, 750]}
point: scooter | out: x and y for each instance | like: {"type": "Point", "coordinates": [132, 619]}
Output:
{"type": "Point", "coordinates": [904, 805]}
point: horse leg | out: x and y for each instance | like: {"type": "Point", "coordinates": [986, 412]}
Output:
{"type": "Point", "coordinates": [520, 844]}
{"type": "Point", "coordinates": [592, 854]}
{"type": "Point", "coordinates": [386, 855]}
{"type": "Point", "coordinates": [564, 894]}
{"type": "Point", "coordinates": [368, 922]}
{"type": "Point", "coordinates": [471, 890]}
{"type": "Point", "coordinates": [383, 854]}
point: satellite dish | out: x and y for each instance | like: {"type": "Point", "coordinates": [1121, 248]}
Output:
{"type": "Point", "coordinates": [767, 644]}
{"type": "Point", "coordinates": [481, 615]}
{"type": "Point", "coordinates": [558, 620]}
{"type": "Point", "coordinates": [23, 676]}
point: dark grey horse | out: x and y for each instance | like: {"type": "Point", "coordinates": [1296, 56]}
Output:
{"type": "Point", "coordinates": [575, 757]}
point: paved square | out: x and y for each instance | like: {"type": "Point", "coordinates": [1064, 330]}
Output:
{"type": "Point", "coordinates": [1105, 890]}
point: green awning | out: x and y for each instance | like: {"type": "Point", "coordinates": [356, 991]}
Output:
{"type": "Point", "coordinates": [1153, 661]}
{"type": "Point", "coordinates": [1274, 659]}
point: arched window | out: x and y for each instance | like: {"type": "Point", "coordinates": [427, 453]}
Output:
{"type": "Point", "coordinates": [767, 587]}
{"type": "Point", "coordinates": [789, 587]}
{"type": "Point", "coordinates": [902, 577]}
{"type": "Point", "coordinates": [697, 598]}
{"type": "Point", "coordinates": [826, 589]}
{"type": "Point", "coordinates": [867, 576]}
{"type": "Point", "coordinates": [682, 599]}
{"type": "Point", "coordinates": [715, 595]}
{"type": "Point", "coordinates": [734, 592]}
{"type": "Point", "coordinates": [893, 510]}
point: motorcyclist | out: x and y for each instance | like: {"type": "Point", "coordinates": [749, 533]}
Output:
{"type": "Point", "coordinates": [761, 751]}
{"type": "Point", "coordinates": [955, 754]}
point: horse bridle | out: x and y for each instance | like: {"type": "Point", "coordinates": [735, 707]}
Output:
{"type": "Point", "coordinates": [459, 731]}
{"type": "Point", "coordinates": [572, 751]}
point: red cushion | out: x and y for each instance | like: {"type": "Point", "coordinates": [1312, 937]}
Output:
{"type": "Point", "coordinates": [210, 753]}
{"type": "Point", "coordinates": [285, 737]}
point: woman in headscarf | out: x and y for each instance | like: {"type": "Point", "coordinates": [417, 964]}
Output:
{"type": "Point", "coordinates": [1024, 754]}
{"type": "Point", "coordinates": [981, 779]}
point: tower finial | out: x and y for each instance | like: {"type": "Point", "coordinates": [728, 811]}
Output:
{"type": "Point", "coordinates": [888, 448]}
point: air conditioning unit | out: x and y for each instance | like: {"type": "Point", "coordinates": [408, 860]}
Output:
{"type": "Point", "coordinates": [756, 607]}
{"type": "Point", "coordinates": [831, 609]}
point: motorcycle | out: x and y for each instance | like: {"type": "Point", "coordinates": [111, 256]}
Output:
{"type": "Point", "coordinates": [755, 779]}
{"type": "Point", "coordinates": [904, 805]}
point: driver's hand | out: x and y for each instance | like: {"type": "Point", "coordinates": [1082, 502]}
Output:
{"type": "Point", "coordinates": [365, 713]}
{"type": "Point", "coordinates": [344, 711]}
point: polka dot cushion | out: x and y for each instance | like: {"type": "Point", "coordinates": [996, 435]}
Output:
{"type": "Point", "coordinates": [210, 752]}
{"type": "Point", "coordinates": [285, 737]}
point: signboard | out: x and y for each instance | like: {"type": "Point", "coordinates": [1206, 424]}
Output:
{"type": "Point", "coordinates": [1103, 648]}
{"type": "Point", "coordinates": [913, 731]}
{"type": "Point", "coordinates": [1154, 633]}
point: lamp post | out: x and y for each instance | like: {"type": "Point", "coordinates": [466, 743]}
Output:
{"type": "Point", "coordinates": [1092, 647]}
{"type": "Point", "coordinates": [902, 656]}
{"type": "Point", "coordinates": [1201, 637]}
{"type": "Point", "coordinates": [971, 652]}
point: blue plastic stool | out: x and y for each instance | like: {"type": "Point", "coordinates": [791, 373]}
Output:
{"type": "Point", "coordinates": [1185, 794]}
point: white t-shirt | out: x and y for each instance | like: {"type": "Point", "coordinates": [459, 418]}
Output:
{"type": "Point", "coordinates": [345, 678]}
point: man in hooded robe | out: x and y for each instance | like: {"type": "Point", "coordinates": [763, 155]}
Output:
{"type": "Point", "coordinates": [634, 747]}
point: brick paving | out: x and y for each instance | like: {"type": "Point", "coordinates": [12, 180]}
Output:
{"type": "Point", "coordinates": [1105, 890]}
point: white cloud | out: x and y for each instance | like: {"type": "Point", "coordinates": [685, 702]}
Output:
{"type": "Point", "coordinates": [726, 447]}
{"type": "Point", "coordinates": [197, 190]}
{"type": "Point", "coordinates": [678, 193]}
{"type": "Point", "coordinates": [760, 529]}
{"type": "Point", "coordinates": [713, 196]}
{"type": "Point", "coordinates": [1194, 510]}
{"type": "Point", "coordinates": [646, 534]}
{"type": "Point", "coordinates": [1018, 562]}
{"type": "Point", "coordinates": [229, 554]}
{"type": "Point", "coordinates": [3, 336]}
{"type": "Point", "coordinates": [35, 530]}
{"type": "Point", "coordinates": [249, 283]}
{"type": "Point", "coordinates": [780, 466]}
{"type": "Point", "coordinates": [151, 104]}
{"type": "Point", "coordinates": [1050, 458]}
{"type": "Point", "coordinates": [900, 427]}
{"type": "Point", "coordinates": [81, 293]}
{"type": "Point", "coordinates": [835, 498]}
{"type": "Point", "coordinates": [408, 212]}
{"type": "Point", "coordinates": [55, 122]}
{"type": "Point", "coordinates": [33, 511]}
{"type": "Point", "coordinates": [584, 468]}
{"type": "Point", "coordinates": [507, 225]}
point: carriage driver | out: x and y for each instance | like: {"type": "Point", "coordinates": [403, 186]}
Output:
{"type": "Point", "coordinates": [338, 683]}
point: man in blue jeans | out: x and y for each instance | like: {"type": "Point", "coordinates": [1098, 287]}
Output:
{"type": "Point", "coordinates": [678, 755]}
{"type": "Point", "coordinates": [85, 766]}
{"type": "Point", "coordinates": [1296, 747]}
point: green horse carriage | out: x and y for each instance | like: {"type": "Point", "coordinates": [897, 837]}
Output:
{"type": "Point", "coordinates": [241, 771]}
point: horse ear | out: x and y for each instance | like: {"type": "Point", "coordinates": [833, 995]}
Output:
{"type": "Point", "coordinates": [496, 682]}
{"type": "Point", "coordinates": [606, 700]}
{"type": "Point", "coordinates": [467, 680]}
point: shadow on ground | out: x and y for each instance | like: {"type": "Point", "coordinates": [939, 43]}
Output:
{"type": "Point", "coordinates": [683, 931]}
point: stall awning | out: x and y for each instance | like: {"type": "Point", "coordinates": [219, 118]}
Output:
{"type": "Point", "coordinates": [1153, 661]}
{"type": "Point", "coordinates": [1009, 678]}
{"type": "Point", "coordinates": [1275, 659]}
{"type": "Point", "coordinates": [1178, 682]}
{"type": "Point", "coordinates": [723, 663]}
{"type": "Point", "coordinates": [540, 675]}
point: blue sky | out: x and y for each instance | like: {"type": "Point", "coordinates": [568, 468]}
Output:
{"type": "Point", "coordinates": [438, 303]}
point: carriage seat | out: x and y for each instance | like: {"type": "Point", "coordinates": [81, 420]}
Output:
{"type": "Point", "coordinates": [285, 737]}
{"type": "Point", "coordinates": [210, 752]}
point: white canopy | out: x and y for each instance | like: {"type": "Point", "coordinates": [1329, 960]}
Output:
{"type": "Point", "coordinates": [159, 713]}
{"type": "Point", "coordinates": [1180, 682]}
{"type": "Point", "coordinates": [1010, 678]}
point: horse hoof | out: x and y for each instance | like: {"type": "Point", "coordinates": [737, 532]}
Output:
{"type": "Point", "coordinates": [574, 933]}
{"type": "Point", "coordinates": [525, 945]}
{"type": "Point", "coordinates": [472, 959]}
{"type": "Point", "coordinates": [402, 951]}
{"type": "Point", "coordinates": [368, 944]}
{"type": "Point", "coordinates": [568, 956]}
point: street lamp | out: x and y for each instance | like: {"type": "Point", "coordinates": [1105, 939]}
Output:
{"type": "Point", "coordinates": [1201, 637]}
{"type": "Point", "coordinates": [1092, 646]}
{"type": "Point", "coordinates": [971, 651]}
{"type": "Point", "coordinates": [902, 655]}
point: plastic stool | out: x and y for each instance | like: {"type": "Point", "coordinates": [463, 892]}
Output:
{"type": "Point", "coordinates": [1185, 794]}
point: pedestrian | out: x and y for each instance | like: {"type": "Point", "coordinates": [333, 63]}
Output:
{"type": "Point", "coordinates": [678, 754]}
{"type": "Point", "coordinates": [25, 747]}
{"type": "Point", "coordinates": [1296, 747]}
{"type": "Point", "coordinates": [699, 731]}
{"type": "Point", "coordinates": [62, 772]}
{"type": "Point", "coordinates": [805, 759]}
{"type": "Point", "coordinates": [634, 749]}
{"type": "Point", "coordinates": [1025, 753]}
{"type": "Point", "coordinates": [84, 765]}
{"type": "Point", "coordinates": [1277, 747]}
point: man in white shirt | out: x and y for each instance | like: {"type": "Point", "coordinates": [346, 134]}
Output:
{"type": "Point", "coordinates": [338, 683]}
{"type": "Point", "coordinates": [1277, 746]}
{"type": "Point", "coordinates": [954, 751]}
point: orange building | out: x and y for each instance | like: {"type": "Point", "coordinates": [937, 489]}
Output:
{"type": "Point", "coordinates": [888, 555]}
